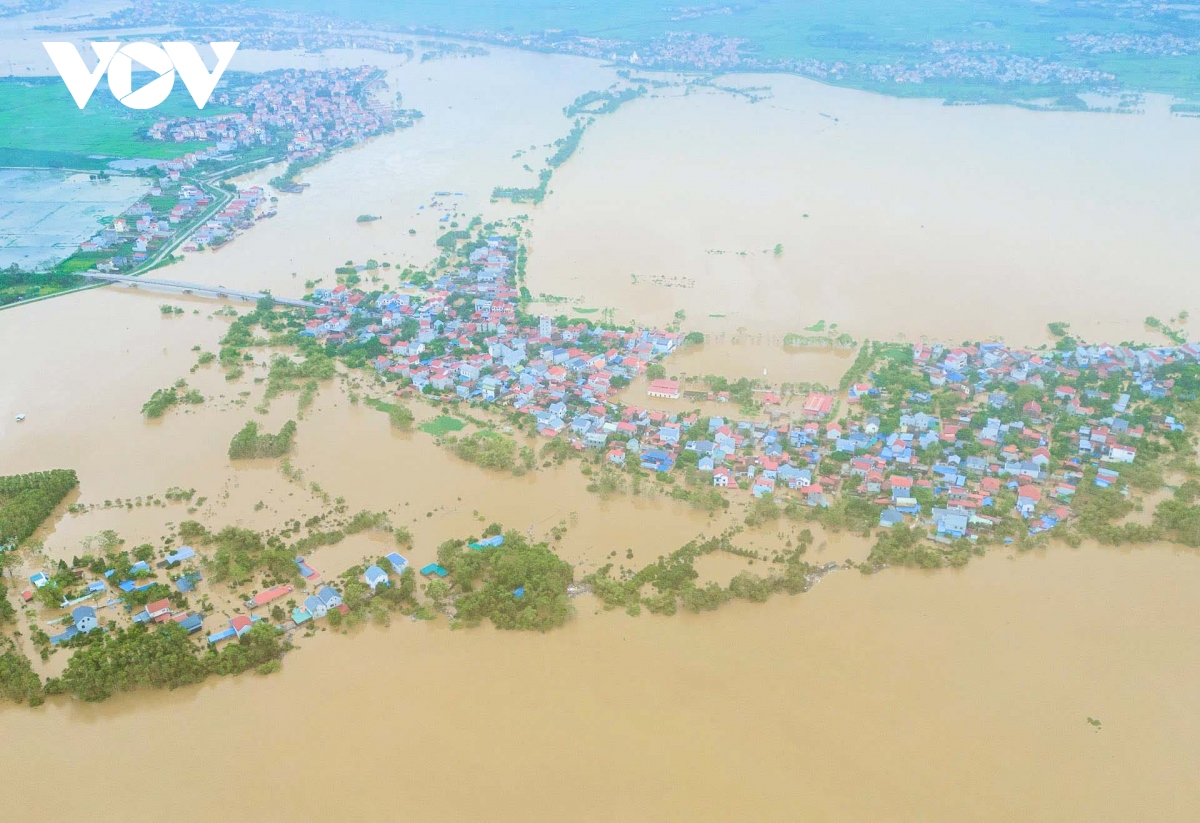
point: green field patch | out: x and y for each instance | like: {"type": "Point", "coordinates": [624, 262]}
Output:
{"type": "Point", "coordinates": [442, 425]}
{"type": "Point", "coordinates": [40, 125]}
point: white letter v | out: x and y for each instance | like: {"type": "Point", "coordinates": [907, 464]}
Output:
{"type": "Point", "coordinates": [80, 82]}
{"type": "Point", "coordinates": [191, 68]}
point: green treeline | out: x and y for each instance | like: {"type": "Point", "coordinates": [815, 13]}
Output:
{"type": "Point", "coordinates": [18, 681]}
{"type": "Point", "coordinates": [17, 285]}
{"type": "Point", "coordinates": [516, 194]}
{"type": "Point", "coordinates": [248, 444]}
{"type": "Point", "coordinates": [609, 101]}
{"type": "Point", "coordinates": [566, 146]}
{"type": "Point", "coordinates": [26, 500]}
{"type": "Point", "coordinates": [673, 579]}
{"type": "Point", "coordinates": [7, 613]}
{"type": "Point", "coordinates": [858, 369]}
{"type": "Point", "coordinates": [161, 657]}
{"type": "Point", "coordinates": [377, 606]}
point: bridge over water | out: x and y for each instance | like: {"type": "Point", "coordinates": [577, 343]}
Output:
{"type": "Point", "coordinates": [196, 288]}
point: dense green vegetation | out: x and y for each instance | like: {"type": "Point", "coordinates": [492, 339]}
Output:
{"type": "Point", "coordinates": [672, 578]}
{"type": "Point", "coordinates": [517, 194]}
{"type": "Point", "coordinates": [379, 605]}
{"type": "Point", "coordinates": [491, 451]}
{"type": "Point", "coordinates": [902, 546]}
{"type": "Point", "coordinates": [160, 657]}
{"type": "Point", "coordinates": [450, 239]}
{"type": "Point", "coordinates": [163, 399]}
{"type": "Point", "coordinates": [489, 578]}
{"type": "Point", "coordinates": [239, 554]}
{"type": "Point", "coordinates": [26, 500]}
{"type": "Point", "coordinates": [566, 146]}
{"type": "Point", "coordinates": [17, 285]}
{"type": "Point", "coordinates": [602, 102]}
{"type": "Point", "coordinates": [248, 444]}
{"type": "Point", "coordinates": [7, 613]}
{"type": "Point", "coordinates": [18, 681]}
{"type": "Point", "coordinates": [401, 416]}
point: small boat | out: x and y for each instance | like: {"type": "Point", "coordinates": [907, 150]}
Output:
{"type": "Point", "coordinates": [20, 417]}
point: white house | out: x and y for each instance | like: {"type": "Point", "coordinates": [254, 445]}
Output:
{"type": "Point", "coordinates": [316, 607]}
{"type": "Point", "coordinates": [329, 597]}
{"type": "Point", "coordinates": [375, 577]}
{"type": "Point", "coordinates": [1122, 454]}
{"type": "Point", "coordinates": [85, 619]}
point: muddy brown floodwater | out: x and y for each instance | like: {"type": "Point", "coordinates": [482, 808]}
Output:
{"type": "Point", "coordinates": [906, 696]}
{"type": "Point", "coordinates": [955, 695]}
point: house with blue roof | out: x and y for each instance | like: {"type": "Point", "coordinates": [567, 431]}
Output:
{"type": "Point", "coordinates": [181, 554]}
{"type": "Point", "coordinates": [192, 623]}
{"type": "Point", "coordinates": [375, 577]}
{"type": "Point", "coordinates": [84, 618]}
{"type": "Point", "coordinates": [329, 597]}
{"type": "Point", "coordinates": [658, 460]}
{"type": "Point", "coordinates": [315, 606]}
{"type": "Point", "coordinates": [398, 561]}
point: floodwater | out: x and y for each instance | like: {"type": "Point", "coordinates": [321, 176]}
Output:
{"type": "Point", "coordinates": [896, 217]}
{"type": "Point", "coordinates": [45, 215]}
{"type": "Point", "coordinates": [906, 696]}
{"type": "Point", "coordinates": [956, 695]}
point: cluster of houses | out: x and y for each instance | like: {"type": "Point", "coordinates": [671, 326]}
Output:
{"type": "Point", "coordinates": [317, 109]}
{"type": "Point", "coordinates": [83, 618]}
{"type": "Point", "coordinates": [459, 336]}
{"type": "Point", "coordinates": [238, 215]}
{"type": "Point", "coordinates": [169, 208]}
{"type": "Point", "coordinates": [1027, 427]}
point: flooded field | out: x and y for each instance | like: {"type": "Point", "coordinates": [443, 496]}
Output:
{"type": "Point", "coordinates": [959, 695]}
{"type": "Point", "coordinates": [45, 215]}
{"type": "Point", "coordinates": [896, 217]}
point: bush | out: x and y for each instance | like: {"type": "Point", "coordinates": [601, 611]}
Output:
{"type": "Point", "coordinates": [248, 443]}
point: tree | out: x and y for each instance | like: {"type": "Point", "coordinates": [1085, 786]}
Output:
{"type": "Point", "coordinates": [18, 681]}
{"type": "Point", "coordinates": [249, 444]}
{"type": "Point", "coordinates": [26, 500]}
{"type": "Point", "coordinates": [437, 591]}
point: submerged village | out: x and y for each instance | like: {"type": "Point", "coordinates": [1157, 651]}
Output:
{"type": "Point", "coordinates": [958, 441]}
{"type": "Point", "coordinates": [295, 116]}
{"type": "Point", "coordinates": [938, 450]}
{"type": "Point", "coordinates": [191, 203]}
